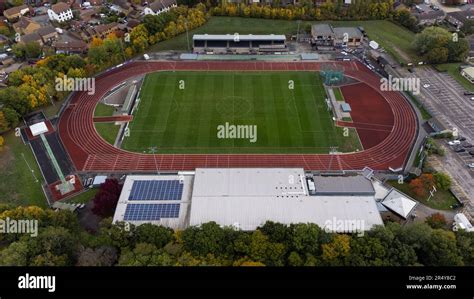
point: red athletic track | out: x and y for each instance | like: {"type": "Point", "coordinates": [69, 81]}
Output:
{"type": "Point", "coordinates": [371, 115]}
{"type": "Point", "coordinates": [109, 119]}
{"type": "Point", "coordinates": [90, 152]}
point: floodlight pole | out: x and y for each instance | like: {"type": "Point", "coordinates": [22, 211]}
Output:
{"type": "Point", "coordinates": [298, 30]}
{"type": "Point", "coordinates": [187, 33]}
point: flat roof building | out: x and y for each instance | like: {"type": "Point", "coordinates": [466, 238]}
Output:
{"type": "Point", "coordinates": [235, 43]}
{"type": "Point", "coordinates": [156, 199]}
{"type": "Point", "coordinates": [247, 198]}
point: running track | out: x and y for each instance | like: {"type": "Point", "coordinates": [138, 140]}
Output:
{"type": "Point", "coordinates": [90, 153]}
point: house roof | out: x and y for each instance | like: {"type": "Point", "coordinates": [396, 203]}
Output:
{"type": "Point", "coordinates": [14, 10]}
{"type": "Point", "coordinates": [429, 15]}
{"type": "Point", "coordinates": [463, 15]}
{"type": "Point", "coordinates": [46, 30]}
{"type": "Point", "coordinates": [60, 7]}
{"type": "Point", "coordinates": [32, 37]}
{"type": "Point", "coordinates": [160, 4]}
{"type": "Point", "coordinates": [399, 203]}
{"type": "Point", "coordinates": [23, 23]}
{"type": "Point", "coordinates": [70, 45]}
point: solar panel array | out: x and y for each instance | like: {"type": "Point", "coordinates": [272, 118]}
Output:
{"type": "Point", "coordinates": [150, 212]}
{"type": "Point", "coordinates": [156, 190]}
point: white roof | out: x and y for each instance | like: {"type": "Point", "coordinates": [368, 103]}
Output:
{"type": "Point", "coordinates": [469, 70]}
{"type": "Point", "coordinates": [399, 203]}
{"type": "Point", "coordinates": [462, 220]}
{"type": "Point", "coordinates": [247, 198]}
{"type": "Point", "coordinates": [242, 37]}
{"type": "Point", "coordinates": [374, 45]}
{"type": "Point", "coordinates": [38, 128]}
{"type": "Point", "coordinates": [99, 179]}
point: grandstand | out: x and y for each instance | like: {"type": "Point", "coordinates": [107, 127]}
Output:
{"type": "Point", "coordinates": [238, 44]}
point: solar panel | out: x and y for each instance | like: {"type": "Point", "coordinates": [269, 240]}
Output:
{"type": "Point", "coordinates": [144, 212]}
{"type": "Point", "coordinates": [156, 190]}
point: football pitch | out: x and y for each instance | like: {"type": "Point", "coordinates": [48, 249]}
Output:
{"type": "Point", "coordinates": [235, 112]}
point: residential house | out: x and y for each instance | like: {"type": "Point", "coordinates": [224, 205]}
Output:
{"type": "Point", "coordinates": [32, 37]}
{"type": "Point", "coordinates": [15, 12]}
{"type": "Point", "coordinates": [458, 18]}
{"type": "Point", "coordinates": [70, 47]}
{"type": "Point", "coordinates": [87, 14]}
{"type": "Point", "coordinates": [25, 26]}
{"type": "Point", "coordinates": [48, 34]}
{"type": "Point", "coordinates": [454, 2]}
{"type": "Point", "coordinates": [430, 17]}
{"type": "Point", "coordinates": [121, 6]}
{"type": "Point", "coordinates": [159, 6]}
{"type": "Point", "coordinates": [103, 31]}
{"type": "Point", "coordinates": [60, 12]}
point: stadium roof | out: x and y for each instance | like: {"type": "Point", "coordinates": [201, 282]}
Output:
{"type": "Point", "coordinates": [399, 203]}
{"type": "Point", "coordinates": [339, 185]}
{"type": "Point", "coordinates": [247, 198]}
{"type": "Point", "coordinates": [242, 37]}
{"type": "Point", "coordinates": [156, 199]}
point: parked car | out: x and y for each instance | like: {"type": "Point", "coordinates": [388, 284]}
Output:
{"type": "Point", "coordinates": [471, 152]}
{"type": "Point", "coordinates": [459, 150]}
{"type": "Point", "coordinates": [466, 145]}
{"type": "Point", "coordinates": [454, 142]}
{"type": "Point", "coordinates": [461, 138]}
{"type": "Point", "coordinates": [469, 93]}
{"type": "Point", "coordinates": [470, 165]}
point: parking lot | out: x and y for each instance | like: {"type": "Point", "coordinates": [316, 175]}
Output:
{"type": "Point", "coordinates": [444, 98]}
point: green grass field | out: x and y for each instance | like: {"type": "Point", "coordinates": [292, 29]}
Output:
{"type": "Point", "coordinates": [395, 39]}
{"type": "Point", "coordinates": [20, 177]}
{"type": "Point", "coordinates": [186, 120]}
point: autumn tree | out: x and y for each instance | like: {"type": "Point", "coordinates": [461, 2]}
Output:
{"type": "Point", "coordinates": [420, 186]}
{"type": "Point", "coordinates": [106, 198]}
{"type": "Point", "coordinates": [436, 220]}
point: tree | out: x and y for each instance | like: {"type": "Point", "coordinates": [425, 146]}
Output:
{"type": "Point", "coordinates": [2, 141]}
{"type": "Point", "coordinates": [16, 254]}
{"type": "Point", "coordinates": [436, 220]}
{"type": "Point", "coordinates": [106, 198]}
{"type": "Point", "coordinates": [103, 256]}
{"type": "Point", "coordinates": [441, 250]}
{"type": "Point", "coordinates": [422, 184]}
{"type": "Point", "coordinates": [336, 252]}
{"type": "Point", "coordinates": [276, 232]}
{"type": "Point", "coordinates": [437, 45]}
{"type": "Point", "coordinates": [204, 239]}
{"type": "Point", "coordinates": [307, 238]}
{"type": "Point", "coordinates": [54, 246]}
{"type": "Point", "coordinates": [443, 180]}
{"type": "Point", "coordinates": [153, 234]}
